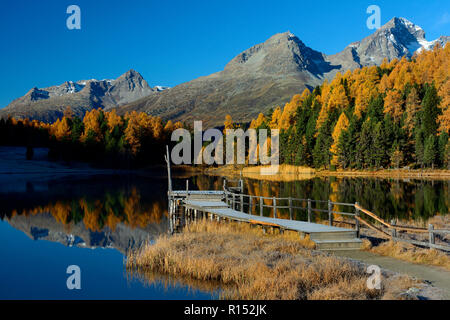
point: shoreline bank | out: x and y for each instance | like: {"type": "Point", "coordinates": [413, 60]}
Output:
{"type": "Point", "coordinates": [248, 264]}
{"type": "Point", "coordinates": [293, 173]}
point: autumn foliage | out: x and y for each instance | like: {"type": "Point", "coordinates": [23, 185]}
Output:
{"type": "Point", "coordinates": [392, 115]}
{"type": "Point", "coordinates": [106, 138]}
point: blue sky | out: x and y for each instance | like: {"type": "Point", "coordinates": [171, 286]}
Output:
{"type": "Point", "coordinates": [170, 42]}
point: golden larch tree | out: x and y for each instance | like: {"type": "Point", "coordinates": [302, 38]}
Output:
{"type": "Point", "coordinates": [276, 119]}
{"type": "Point", "coordinates": [91, 122]}
{"type": "Point", "coordinates": [61, 129]}
{"type": "Point", "coordinates": [412, 107]}
{"type": "Point", "coordinates": [228, 124]}
{"type": "Point", "coordinates": [393, 104]}
{"type": "Point", "coordinates": [341, 125]}
{"type": "Point", "coordinates": [113, 120]}
{"type": "Point", "coordinates": [444, 118]}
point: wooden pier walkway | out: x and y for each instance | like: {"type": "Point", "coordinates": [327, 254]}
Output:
{"type": "Point", "coordinates": [233, 205]}
{"type": "Point", "coordinates": [214, 205]}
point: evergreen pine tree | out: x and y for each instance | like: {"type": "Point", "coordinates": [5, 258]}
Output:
{"type": "Point", "coordinates": [378, 150]}
{"type": "Point", "coordinates": [364, 147]}
{"type": "Point", "coordinates": [419, 147]}
{"type": "Point", "coordinates": [345, 149]}
{"type": "Point", "coordinates": [442, 145]}
{"type": "Point", "coordinates": [431, 110]}
{"type": "Point", "coordinates": [429, 154]}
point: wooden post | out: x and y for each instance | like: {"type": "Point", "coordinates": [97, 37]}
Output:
{"type": "Point", "coordinates": [242, 203]}
{"type": "Point", "coordinates": [250, 205]}
{"type": "Point", "coordinates": [169, 175]}
{"type": "Point", "coordinates": [170, 217]}
{"type": "Point", "coordinates": [187, 188]}
{"type": "Point", "coordinates": [431, 233]}
{"type": "Point", "coordinates": [290, 208]}
{"type": "Point", "coordinates": [233, 203]}
{"type": "Point", "coordinates": [224, 184]}
{"type": "Point", "coordinates": [309, 210]}
{"type": "Point", "coordinates": [394, 231]}
{"type": "Point", "coordinates": [261, 208]}
{"type": "Point", "coordinates": [330, 214]}
{"type": "Point", "coordinates": [356, 219]}
{"type": "Point", "coordinates": [274, 203]}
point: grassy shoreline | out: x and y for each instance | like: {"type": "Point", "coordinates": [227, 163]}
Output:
{"type": "Point", "coordinates": [409, 253]}
{"type": "Point", "coordinates": [251, 265]}
{"type": "Point", "coordinates": [292, 173]}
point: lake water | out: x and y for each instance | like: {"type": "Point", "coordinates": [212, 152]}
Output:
{"type": "Point", "coordinates": [47, 225]}
{"type": "Point", "coordinates": [50, 222]}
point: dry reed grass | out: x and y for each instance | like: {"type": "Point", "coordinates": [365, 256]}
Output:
{"type": "Point", "coordinates": [292, 173]}
{"type": "Point", "coordinates": [410, 253]}
{"type": "Point", "coordinates": [251, 265]}
{"type": "Point", "coordinates": [285, 173]}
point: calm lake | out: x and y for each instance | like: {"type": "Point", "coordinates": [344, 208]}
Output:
{"type": "Point", "coordinates": [47, 225]}
{"type": "Point", "coordinates": [50, 222]}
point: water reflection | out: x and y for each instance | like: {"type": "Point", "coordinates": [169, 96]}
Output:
{"type": "Point", "coordinates": [122, 212]}
{"type": "Point", "coordinates": [116, 213]}
{"type": "Point", "coordinates": [406, 200]}
{"type": "Point", "coordinates": [97, 212]}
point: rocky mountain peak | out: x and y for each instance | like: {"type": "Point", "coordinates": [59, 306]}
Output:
{"type": "Point", "coordinates": [264, 76]}
{"type": "Point", "coordinates": [402, 25]}
{"type": "Point", "coordinates": [397, 38]}
{"type": "Point", "coordinates": [131, 74]}
{"type": "Point", "coordinates": [36, 94]}
{"type": "Point", "coordinates": [282, 54]}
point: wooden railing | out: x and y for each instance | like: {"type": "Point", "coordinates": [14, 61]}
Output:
{"type": "Point", "coordinates": [394, 228]}
{"type": "Point", "coordinates": [238, 202]}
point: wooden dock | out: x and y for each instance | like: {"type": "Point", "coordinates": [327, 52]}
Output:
{"type": "Point", "coordinates": [232, 204]}
{"type": "Point", "coordinates": [214, 205]}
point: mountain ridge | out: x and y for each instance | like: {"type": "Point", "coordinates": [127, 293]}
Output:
{"type": "Point", "coordinates": [48, 104]}
{"type": "Point", "coordinates": [259, 78]}
{"type": "Point", "coordinates": [270, 73]}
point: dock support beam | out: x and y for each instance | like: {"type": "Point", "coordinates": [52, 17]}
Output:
{"type": "Point", "coordinates": [357, 219]}
{"type": "Point", "coordinates": [330, 213]}
{"type": "Point", "coordinates": [309, 210]}
{"type": "Point", "coordinates": [261, 206]}
{"type": "Point", "coordinates": [431, 233]}
{"type": "Point", "coordinates": [274, 202]}
{"type": "Point", "coordinates": [290, 208]}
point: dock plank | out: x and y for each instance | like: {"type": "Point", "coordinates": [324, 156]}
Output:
{"type": "Point", "coordinates": [326, 237]}
{"type": "Point", "coordinates": [221, 209]}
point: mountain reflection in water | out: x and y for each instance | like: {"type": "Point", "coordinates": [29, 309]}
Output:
{"type": "Point", "coordinates": [117, 212]}
{"type": "Point", "coordinates": [121, 212]}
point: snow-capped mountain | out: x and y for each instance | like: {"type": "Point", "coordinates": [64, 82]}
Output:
{"type": "Point", "coordinates": [270, 73]}
{"type": "Point", "coordinates": [48, 104]}
{"type": "Point", "coordinates": [397, 38]}
{"type": "Point", "coordinates": [261, 77]}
